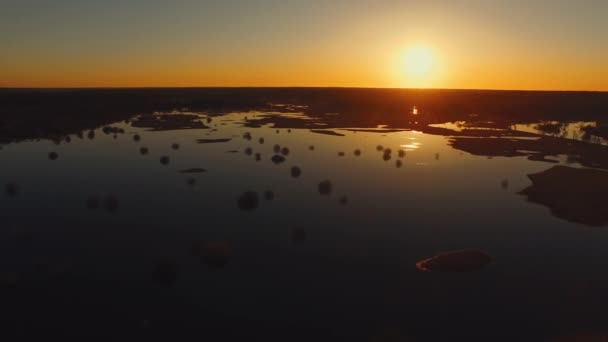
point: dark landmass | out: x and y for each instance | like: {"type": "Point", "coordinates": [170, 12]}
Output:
{"type": "Point", "coordinates": [379, 130]}
{"type": "Point", "coordinates": [590, 155]}
{"type": "Point", "coordinates": [168, 122]}
{"type": "Point", "coordinates": [577, 195]}
{"type": "Point", "coordinates": [465, 260]}
{"type": "Point", "coordinates": [326, 132]}
{"type": "Point", "coordinates": [27, 114]}
{"type": "Point", "coordinates": [211, 141]}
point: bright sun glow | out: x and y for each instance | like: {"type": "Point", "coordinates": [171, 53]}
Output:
{"type": "Point", "coordinates": [418, 62]}
{"type": "Point", "coordinates": [418, 65]}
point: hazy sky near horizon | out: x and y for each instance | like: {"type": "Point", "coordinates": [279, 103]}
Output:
{"type": "Point", "coordinates": [514, 44]}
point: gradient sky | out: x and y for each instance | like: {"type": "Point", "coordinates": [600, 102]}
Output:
{"type": "Point", "coordinates": [514, 44]}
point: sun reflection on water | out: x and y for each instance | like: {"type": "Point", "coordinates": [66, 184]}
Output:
{"type": "Point", "coordinates": [412, 146]}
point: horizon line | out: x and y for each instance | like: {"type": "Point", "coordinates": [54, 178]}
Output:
{"type": "Point", "coordinates": [297, 87]}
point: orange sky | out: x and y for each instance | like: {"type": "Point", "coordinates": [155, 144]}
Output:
{"type": "Point", "coordinates": [503, 45]}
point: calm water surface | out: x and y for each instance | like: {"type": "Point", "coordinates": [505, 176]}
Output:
{"type": "Point", "coordinates": [183, 219]}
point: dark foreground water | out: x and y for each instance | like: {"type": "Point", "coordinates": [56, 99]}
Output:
{"type": "Point", "coordinates": [300, 215]}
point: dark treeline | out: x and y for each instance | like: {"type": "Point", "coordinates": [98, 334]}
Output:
{"type": "Point", "coordinates": [41, 113]}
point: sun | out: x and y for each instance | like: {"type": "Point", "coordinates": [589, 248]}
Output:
{"type": "Point", "coordinates": [418, 66]}
{"type": "Point", "coordinates": [419, 62]}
